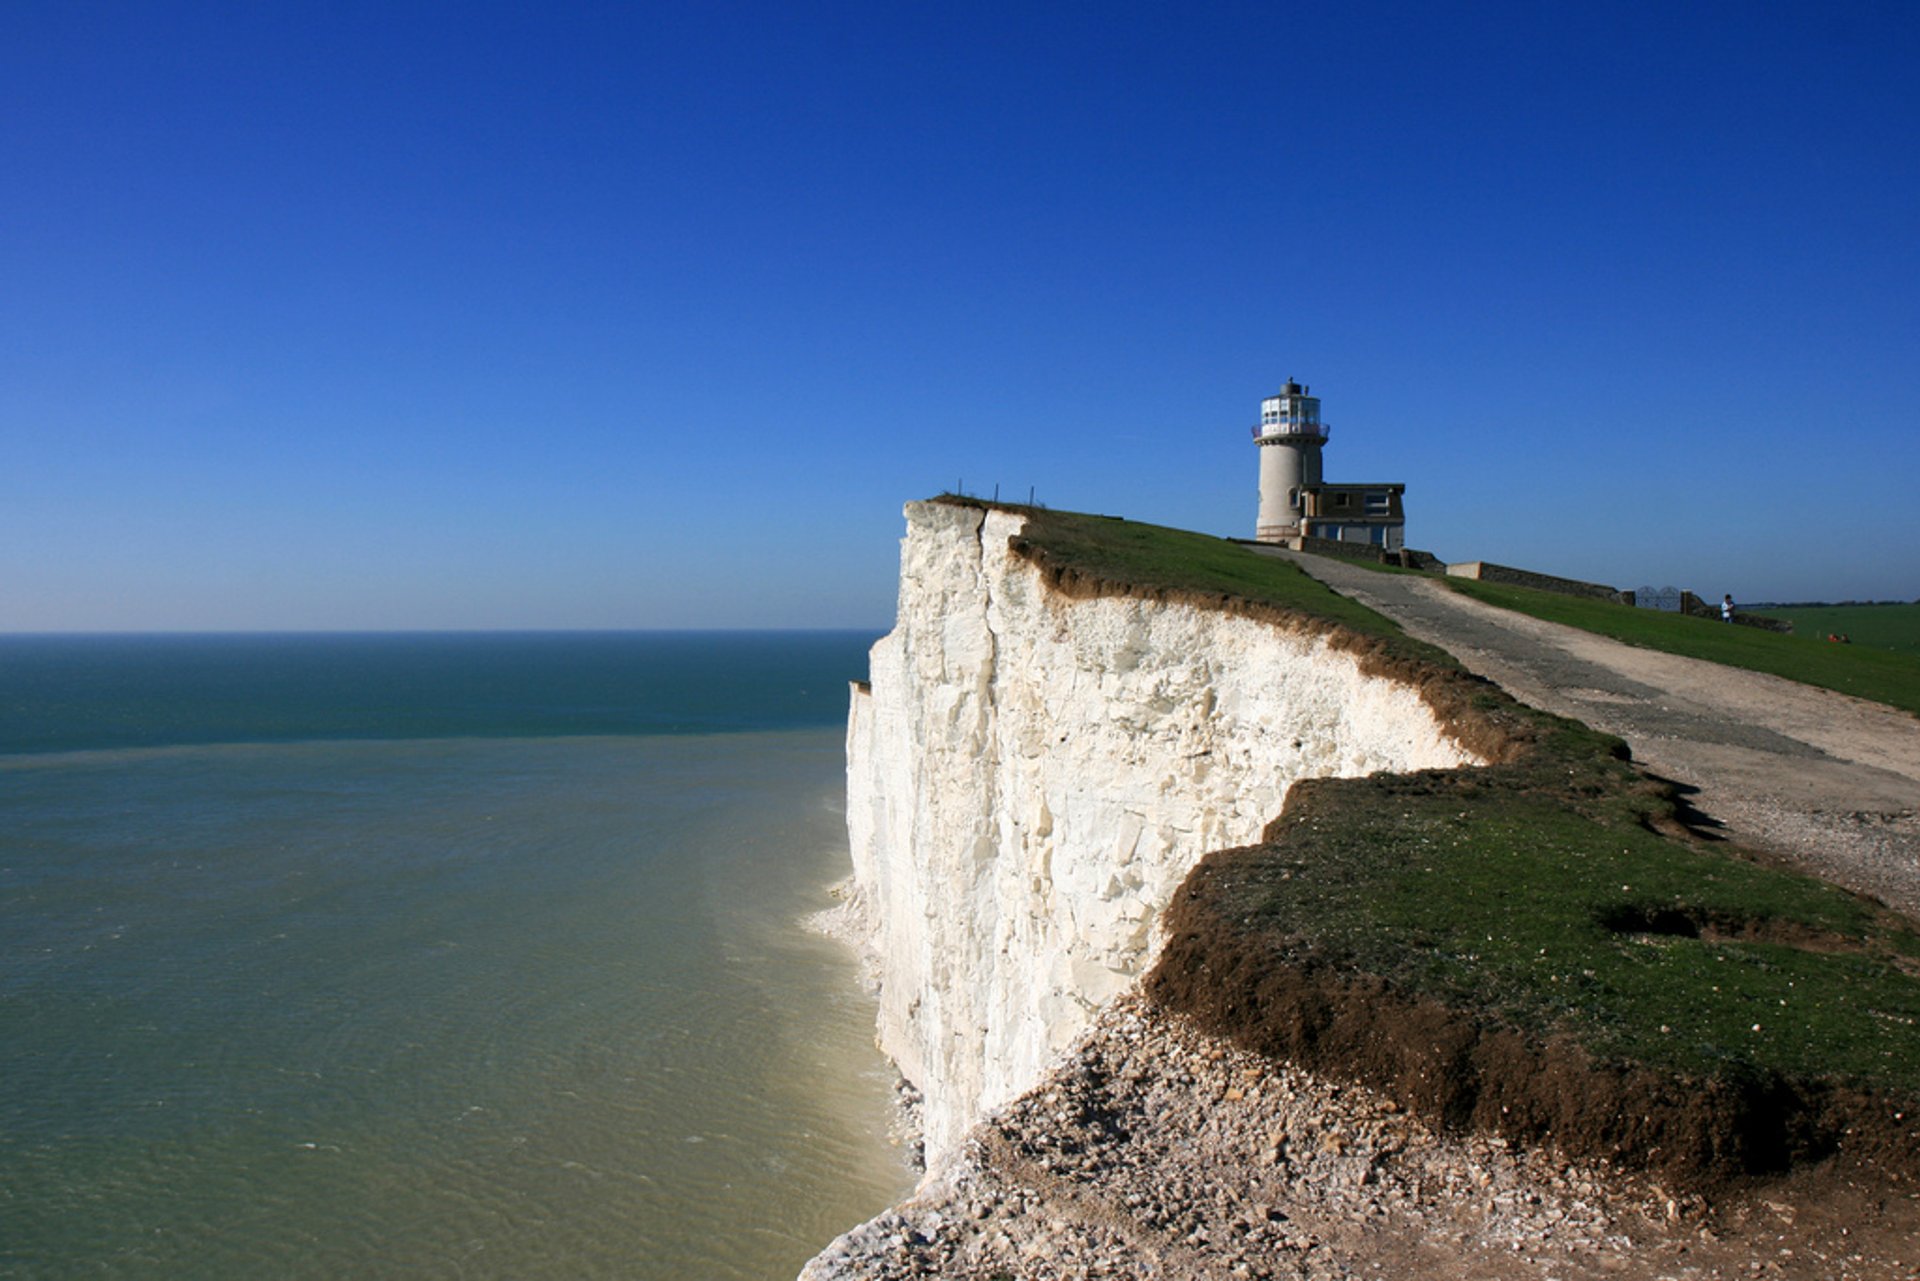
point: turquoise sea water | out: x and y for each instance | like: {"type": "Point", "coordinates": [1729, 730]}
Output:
{"type": "Point", "coordinates": [410, 956]}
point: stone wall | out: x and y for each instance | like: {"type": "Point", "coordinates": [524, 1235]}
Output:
{"type": "Point", "coordinates": [1698, 608]}
{"type": "Point", "coordinates": [1488, 572]}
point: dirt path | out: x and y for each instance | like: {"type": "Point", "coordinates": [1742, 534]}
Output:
{"type": "Point", "coordinates": [1828, 782]}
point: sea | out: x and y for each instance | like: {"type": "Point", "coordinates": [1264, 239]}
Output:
{"type": "Point", "coordinates": [438, 955]}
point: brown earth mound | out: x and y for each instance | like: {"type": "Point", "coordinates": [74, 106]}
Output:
{"type": "Point", "coordinates": [1460, 1071]}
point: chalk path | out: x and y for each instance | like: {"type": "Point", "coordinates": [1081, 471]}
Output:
{"type": "Point", "coordinates": [1827, 781]}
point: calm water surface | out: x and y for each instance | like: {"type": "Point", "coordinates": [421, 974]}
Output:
{"type": "Point", "coordinates": [503, 982]}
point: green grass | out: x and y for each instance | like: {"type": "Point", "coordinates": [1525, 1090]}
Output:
{"type": "Point", "coordinates": [1881, 675]}
{"type": "Point", "coordinates": [1895, 627]}
{"type": "Point", "coordinates": [1499, 890]}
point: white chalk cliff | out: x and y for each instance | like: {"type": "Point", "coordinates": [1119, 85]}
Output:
{"type": "Point", "coordinates": [1030, 776]}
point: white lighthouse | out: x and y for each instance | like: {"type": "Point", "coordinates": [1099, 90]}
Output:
{"type": "Point", "coordinates": [1289, 435]}
{"type": "Point", "coordinates": [1295, 503]}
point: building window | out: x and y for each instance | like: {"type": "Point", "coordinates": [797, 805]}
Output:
{"type": "Point", "coordinates": [1379, 504]}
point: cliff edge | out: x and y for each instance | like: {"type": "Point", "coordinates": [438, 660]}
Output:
{"type": "Point", "coordinates": [1089, 748]}
{"type": "Point", "coordinates": [1031, 773]}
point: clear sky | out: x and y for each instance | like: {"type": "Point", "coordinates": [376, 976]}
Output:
{"type": "Point", "coordinates": [470, 315]}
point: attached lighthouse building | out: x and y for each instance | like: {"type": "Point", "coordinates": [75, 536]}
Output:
{"type": "Point", "coordinates": [1295, 503]}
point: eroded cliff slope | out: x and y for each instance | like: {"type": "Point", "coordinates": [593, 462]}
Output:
{"type": "Point", "coordinates": [1032, 772]}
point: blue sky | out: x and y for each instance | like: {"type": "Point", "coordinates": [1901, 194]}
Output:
{"type": "Point", "coordinates": [468, 315]}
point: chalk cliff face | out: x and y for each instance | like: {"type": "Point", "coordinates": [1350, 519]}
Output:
{"type": "Point", "coordinates": [1029, 778]}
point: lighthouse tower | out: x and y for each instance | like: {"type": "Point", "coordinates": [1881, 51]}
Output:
{"type": "Point", "coordinates": [1290, 434]}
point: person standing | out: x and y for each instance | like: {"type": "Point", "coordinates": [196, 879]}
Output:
{"type": "Point", "coordinates": [1726, 609]}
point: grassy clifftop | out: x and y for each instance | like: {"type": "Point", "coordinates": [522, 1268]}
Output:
{"type": "Point", "coordinates": [1535, 946]}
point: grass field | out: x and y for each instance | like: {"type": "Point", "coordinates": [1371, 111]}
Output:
{"type": "Point", "coordinates": [1726, 1012]}
{"type": "Point", "coordinates": [1568, 916]}
{"type": "Point", "coordinates": [1883, 675]}
{"type": "Point", "coordinates": [1895, 627]}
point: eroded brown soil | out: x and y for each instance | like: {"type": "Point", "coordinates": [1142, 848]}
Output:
{"type": "Point", "coordinates": [1459, 1070]}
